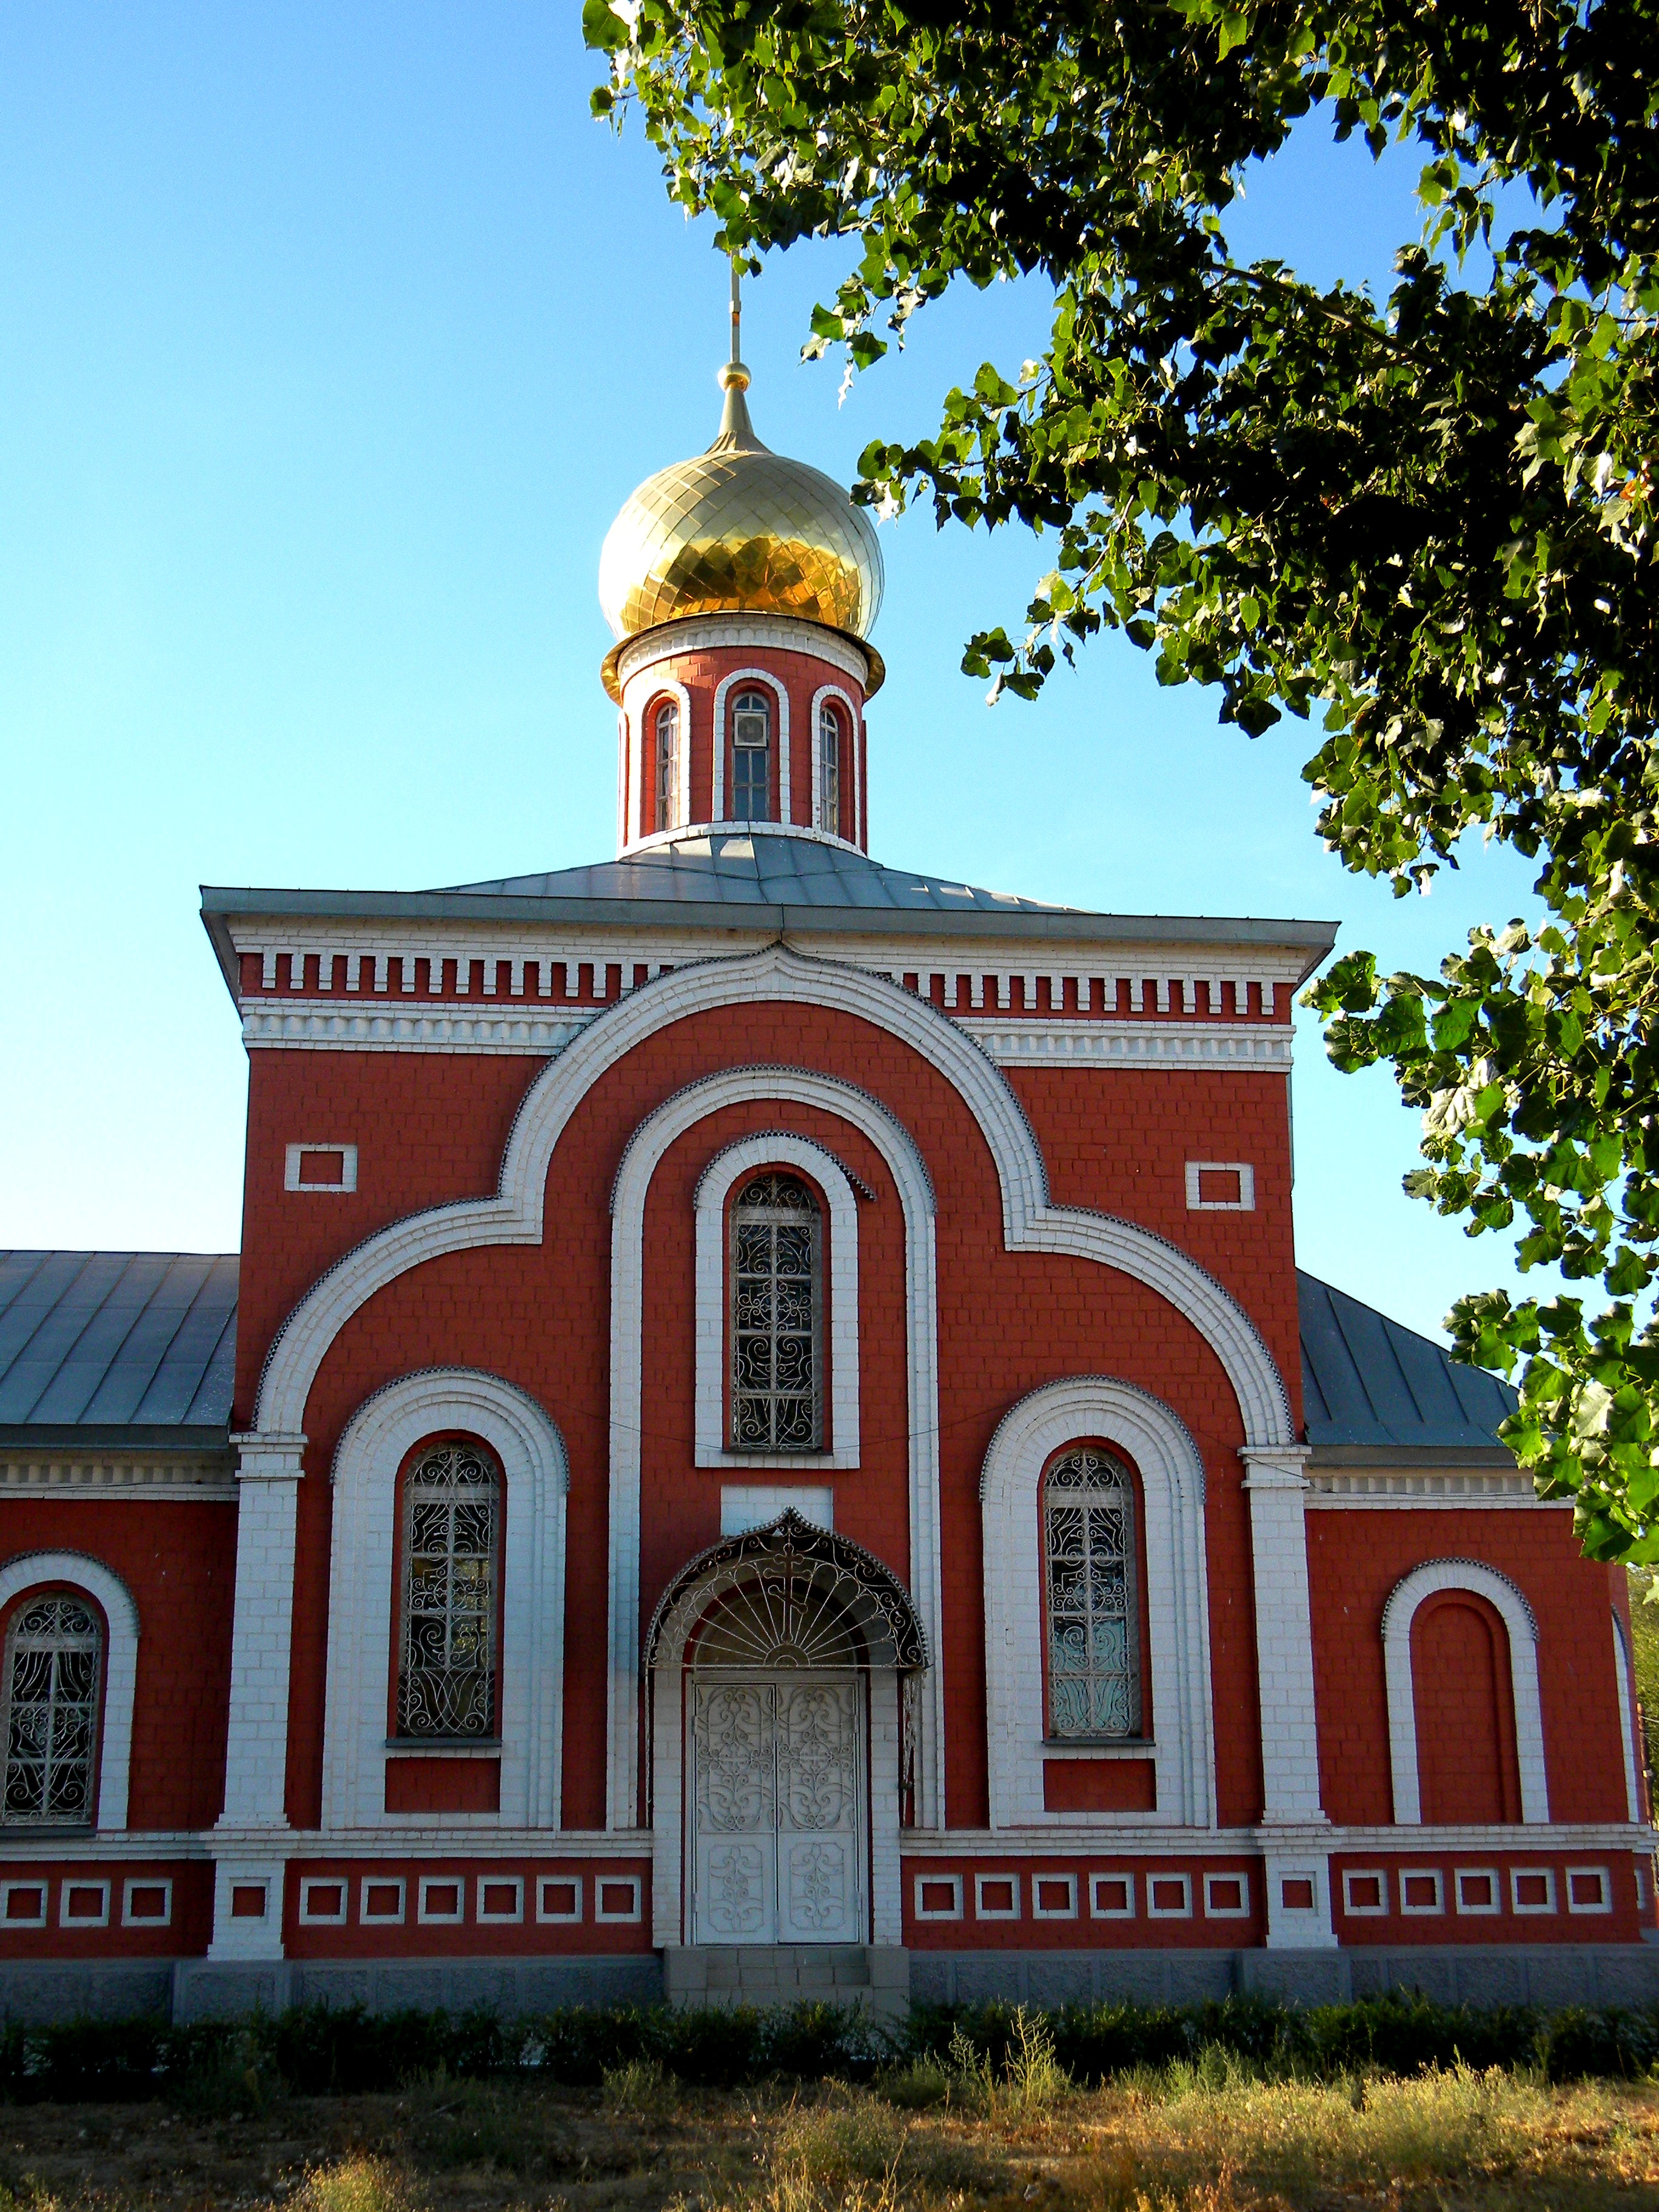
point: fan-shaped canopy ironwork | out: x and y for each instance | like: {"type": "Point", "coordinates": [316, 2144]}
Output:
{"type": "Point", "coordinates": [789, 1594]}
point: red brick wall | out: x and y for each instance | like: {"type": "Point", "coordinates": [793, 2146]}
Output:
{"type": "Point", "coordinates": [1008, 1323]}
{"type": "Point", "coordinates": [179, 1561]}
{"type": "Point", "coordinates": [1356, 1556]}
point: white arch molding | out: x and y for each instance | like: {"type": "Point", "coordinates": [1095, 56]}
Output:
{"type": "Point", "coordinates": [1031, 1223]}
{"type": "Point", "coordinates": [650, 1141]}
{"type": "Point", "coordinates": [1172, 1486]}
{"type": "Point", "coordinates": [362, 1626]}
{"type": "Point", "coordinates": [1624, 1668]}
{"type": "Point", "coordinates": [780, 1148]}
{"type": "Point", "coordinates": [1398, 1614]}
{"type": "Point", "coordinates": [32, 1570]}
{"type": "Point", "coordinates": [723, 690]}
{"type": "Point", "coordinates": [850, 791]}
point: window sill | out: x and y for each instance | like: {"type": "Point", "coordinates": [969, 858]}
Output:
{"type": "Point", "coordinates": [443, 1747]}
{"type": "Point", "coordinates": [1091, 1747]}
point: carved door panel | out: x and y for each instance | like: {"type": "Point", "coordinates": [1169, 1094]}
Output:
{"type": "Point", "coordinates": [776, 1815]}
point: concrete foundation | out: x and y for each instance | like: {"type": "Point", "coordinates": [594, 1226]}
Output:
{"type": "Point", "coordinates": [874, 1975]}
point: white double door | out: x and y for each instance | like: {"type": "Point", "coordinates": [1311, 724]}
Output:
{"type": "Point", "coordinates": [777, 1809]}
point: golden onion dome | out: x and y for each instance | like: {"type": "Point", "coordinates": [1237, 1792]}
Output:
{"type": "Point", "coordinates": [740, 530]}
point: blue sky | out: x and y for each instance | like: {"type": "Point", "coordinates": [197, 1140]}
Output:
{"type": "Point", "coordinates": [331, 340]}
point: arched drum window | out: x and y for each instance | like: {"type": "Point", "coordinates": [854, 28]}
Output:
{"type": "Point", "coordinates": [775, 1317]}
{"type": "Point", "coordinates": [668, 749]}
{"type": "Point", "coordinates": [1093, 1605]}
{"type": "Point", "coordinates": [54, 1652]}
{"type": "Point", "coordinates": [452, 1543]}
{"type": "Point", "coordinates": [751, 758]}
{"type": "Point", "coordinates": [830, 771]}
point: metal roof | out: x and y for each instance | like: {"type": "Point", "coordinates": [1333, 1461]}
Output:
{"type": "Point", "coordinates": [106, 1347]}
{"type": "Point", "coordinates": [1374, 1390]}
{"type": "Point", "coordinates": [767, 880]}
{"type": "Point", "coordinates": [763, 869]}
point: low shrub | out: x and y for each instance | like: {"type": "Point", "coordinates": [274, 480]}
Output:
{"type": "Point", "coordinates": [319, 2051]}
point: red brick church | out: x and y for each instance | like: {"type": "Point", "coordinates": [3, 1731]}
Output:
{"type": "Point", "coordinates": [766, 1437]}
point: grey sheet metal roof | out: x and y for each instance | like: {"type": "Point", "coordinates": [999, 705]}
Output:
{"type": "Point", "coordinates": [762, 871]}
{"type": "Point", "coordinates": [134, 1348]}
{"type": "Point", "coordinates": [1373, 1390]}
{"type": "Point", "coordinates": [768, 881]}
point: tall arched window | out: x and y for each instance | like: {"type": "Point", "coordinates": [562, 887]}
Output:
{"type": "Point", "coordinates": [668, 764]}
{"type": "Point", "coordinates": [1093, 1605]}
{"type": "Point", "coordinates": [452, 1543]}
{"type": "Point", "coordinates": [776, 1403]}
{"type": "Point", "coordinates": [54, 1654]}
{"type": "Point", "coordinates": [751, 758]}
{"type": "Point", "coordinates": [830, 771]}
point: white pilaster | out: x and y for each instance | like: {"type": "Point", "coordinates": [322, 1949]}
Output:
{"type": "Point", "coordinates": [256, 1754]}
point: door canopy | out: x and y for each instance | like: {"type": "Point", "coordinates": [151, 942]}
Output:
{"type": "Point", "coordinates": [789, 1594]}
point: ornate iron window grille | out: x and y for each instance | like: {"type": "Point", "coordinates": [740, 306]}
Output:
{"type": "Point", "coordinates": [52, 1662]}
{"type": "Point", "coordinates": [751, 758]}
{"type": "Point", "coordinates": [829, 770]}
{"type": "Point", "coordinates": [776, 1364]}
{"type": "Point", "coordinates": [452, 1521]}
{"type": "Point", "coordinates": [1094, 1616]}
{"type": "Point", "coordinates": [668, 743]}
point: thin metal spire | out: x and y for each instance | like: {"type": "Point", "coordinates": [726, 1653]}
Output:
{"type": "Point", "coordinates": [736, 312]}
{"type": "Point", "coordinates": [737, 434]}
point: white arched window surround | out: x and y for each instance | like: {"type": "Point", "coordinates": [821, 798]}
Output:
{"type": "Point", "coordinates": [1031, 1434]}
{"type": "Point", "coordinates": [663, 692]}
{"type": "Point", "coordinates": [738, 680]}
{"type": "Point", "coordinates": [711, 1093]}
{"type": "Point", "coordinates": [362, 1624]}
{"type": "Point", "coordinates": [852, 797]}
{"type": "Point", "coordinates": [1624, 1670]}
{"type": "Point", "coordinates": [75, 1570]}
{"type": "Point", "coordinates": [1398, 1614]}
{"type": "Point", "coordinates": [777, 1148]}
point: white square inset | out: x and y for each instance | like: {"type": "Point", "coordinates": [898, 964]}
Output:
{"type": "Point", "coordinates": [324, 1899]}
{"type": "Point", "coordinates": [1364, 1892]}
{"type": "Point", "coordinates": [1111, 1897]}
{"type": "Point", "coordinates": [938, 1896]}
{"type": "Point", "coordinates": [1421, 1890]}
{"type": "Point", "coordinates": [82, 1903]}
{"type": "Point", "coordinates": [1208, 1191]}
{"type": "Point", "coordinates": [380, 1901]}
{"type": "Point", "coordinates": [501, 1897]}
{"type": "Point", "coordinates": [1227, 1896]}
{"type": "Point", "coordinates": [1168, 1896]}
{"type": "Point", "coordinates": [559, 1897]}
{"type": "Point", "coordinates": [1589, 1889]}
{"type": "Point", "coordinates": [746, 1505]}
{"type": "Point", "coordinates": [996, 1897]}
{"type": "Point", "coordinates": [616, 1896]}
{"type": "Point", "coordinates": [1532, 1889]}
{"type": "Point", "coordinates": [1053, 1897]}
{"type": "Point", "coordinates": [23, 1904]}
{"type": "Point", "coordinates": [1478, 1889]}
{"type": "Point", "coordinates": [440, 1901]}
{"type": "Point", "coordinates": [147, 1902]}
{"type": "Point", "coordinates": [314, 1167]}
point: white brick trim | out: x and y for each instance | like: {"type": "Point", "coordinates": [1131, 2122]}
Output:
{"type": "Point", "coordinates": [361, 1626]}
{"type": "Point", "coordinates": [840, 1290]}
{"type": "Point", "coordinates": [1177, 1599]}
{"type": "Point", "coordinates": [851, 796]}
{"type": "Point", "coordinates": [1398, 1613]}
{"type": "Point", "coordinates": [722, 692]}
{"type": "Point", "coordinates": [645, 1149]}
{"type": "Point", "coordinates": [268, 1473]}
{"type": "Point", "coordinates": [1197, 1203]}
{"type": "Point", "coordinates": [115, 1601]}
{"type": "Point", "coordinates": [1624, 1676]}
{"type": "Point", "coordinates": [295, 1168]}
{"type": "Point", "coordinates": [1031, 1223]}
{"type": "Point", "coordinates": [715, 633]}
{"type": "Point", "coordinates": [1276, 1490]}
